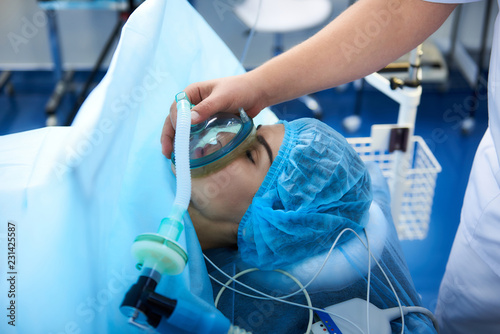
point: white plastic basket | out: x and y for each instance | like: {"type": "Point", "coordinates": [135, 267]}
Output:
{"type": "Point", "coordinates": [420, 181]}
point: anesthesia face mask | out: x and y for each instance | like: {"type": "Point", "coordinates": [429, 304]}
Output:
{"type": "Point", "coordinates": [218, 141]}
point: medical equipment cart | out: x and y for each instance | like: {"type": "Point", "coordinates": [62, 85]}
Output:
{"type": "Point", "coordinates": [405, 160]}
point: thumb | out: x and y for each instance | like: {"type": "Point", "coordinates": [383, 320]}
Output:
{"type": "Point", "coordinates": [205, 109]}
{"type": "Point", "coordinates": [196, 117]}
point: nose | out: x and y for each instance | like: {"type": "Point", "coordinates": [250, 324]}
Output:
{"type": "Point", "coordinates": [198, 153]}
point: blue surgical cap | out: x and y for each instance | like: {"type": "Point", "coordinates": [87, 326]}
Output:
{"type": "Point", "coordinates": [316, 187]}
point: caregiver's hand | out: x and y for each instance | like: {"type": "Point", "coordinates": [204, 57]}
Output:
{"type": "Point", "coordinates": [209, 97]}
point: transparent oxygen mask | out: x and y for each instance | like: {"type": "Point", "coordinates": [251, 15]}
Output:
{"type": "Point", "coordinates": [218, 141]}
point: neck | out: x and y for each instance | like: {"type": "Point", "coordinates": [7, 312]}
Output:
{"type": "Point", "coordinates": [211, 233]}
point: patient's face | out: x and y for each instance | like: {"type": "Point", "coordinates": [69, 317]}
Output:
{"type": "Point", "coordinates": [227, 194]}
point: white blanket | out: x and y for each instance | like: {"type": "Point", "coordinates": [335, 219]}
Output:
{"type": "Point", "coordinates": [79, 195]}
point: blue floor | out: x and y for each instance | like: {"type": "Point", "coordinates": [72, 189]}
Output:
{"type": "Point", "coordinates": [437, 122]}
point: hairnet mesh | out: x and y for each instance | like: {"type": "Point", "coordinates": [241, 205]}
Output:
{"type": "Point", "coordinates": [316, 187]}
{"type": "Point", "coordinates": [266, 316]}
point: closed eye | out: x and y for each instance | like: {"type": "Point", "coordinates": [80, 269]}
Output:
{"type": "Point", "coordinates": [261, 140]}
{"type": "Point", "coordinates": [249, 156]}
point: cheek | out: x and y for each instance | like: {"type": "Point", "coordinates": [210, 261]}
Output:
{"type": "Point", "coordinates": [202, 193]}
{"type": "Point", "coordinates": [234, 195]}
{"type": "Point", "coordinates": [209, 193]}
{"type": "Point", "coordinates": [226, 194]}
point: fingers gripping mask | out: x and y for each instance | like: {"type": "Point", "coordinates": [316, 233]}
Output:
{"type": "Point", "coordinates": [316, 187]}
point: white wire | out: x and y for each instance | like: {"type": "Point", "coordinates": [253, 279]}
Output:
{"type": "Point", "coordinates": [418, 309]}
{"type": "Point", "coordinates": [395, 294]}
{"type": "Point", "coordinates": [281, 299]}
{"type": "Point", "coordinates": [306, 294]}
{"type": "Point", "coordinates": [322, 265]}
{"type": "Point", "coordinates": [368, 284]}
{"type": "Point", "coordinates": [216, 302]}
{"type": "Point", "coordinates": [318, 271]}
{"type": "Point", "coordinates": [310, 281]}
{"type": "Point", "coordinates": [250, 35]}
{"type": "Point", "coordinates": [287, 296]}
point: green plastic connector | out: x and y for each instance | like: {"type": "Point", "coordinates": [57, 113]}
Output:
{"type": "Point", "coordinates": [157, 252]}
{"type": "Point", "coordinates": [183, 96]}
